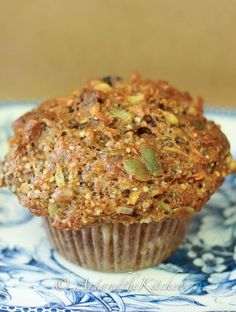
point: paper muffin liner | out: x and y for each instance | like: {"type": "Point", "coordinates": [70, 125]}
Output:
{"type": "Point", "coordinates": [118, 247]}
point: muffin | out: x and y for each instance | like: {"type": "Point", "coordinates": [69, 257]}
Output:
{"type": "Point", "coordinates": [117, 170]}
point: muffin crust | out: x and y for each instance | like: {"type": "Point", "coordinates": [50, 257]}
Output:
{"type": "Point", "coordinates": [116, 151]}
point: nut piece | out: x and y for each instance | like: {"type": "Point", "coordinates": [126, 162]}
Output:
{"type": "Point", "coordinates": [62, 194]}
{"type": "Point", "coordinates": [184, 212]}
{"type": "Point", "coordinates": [25, 188]}
{"type": "Point", "coordinates": [102, 86]}
{"type": "Point", "coordinates": [133, 198]}
{"type": "Point", "coordinates": [33, 129]}
{"type": "Point", "coordinates": [231, 165]}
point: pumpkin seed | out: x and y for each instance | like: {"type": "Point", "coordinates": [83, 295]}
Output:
{"type": "Point", "coordinates": [59, 177]}
{"type": "Point", "coordinates": [122, 114]}
{"type": "Point", "coordinates": [146, 220]}
{"type": "Point", "coordinates": [170, 118]}
{"type": "Point", "coordinates": [146, 204]}
{"type": "Point", "coordinates": [125, 210]}
{"type": "Point", "coordinates": [150, 160]}
{"type": "Point", "coordinates": [163, 206]}
{"type": "Point", "coordinates": [52, 209]}
{"type": "Point", "coordinates": [135, 99]}
{"type": "Point", "coordinates": [137, 169]}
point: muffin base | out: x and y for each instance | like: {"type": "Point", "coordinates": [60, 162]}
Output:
{"type": "Point", "coordinates": [118, 247]}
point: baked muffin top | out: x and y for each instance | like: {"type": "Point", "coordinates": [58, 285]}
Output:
{"type": "Point", "coordinates": [116, 151]}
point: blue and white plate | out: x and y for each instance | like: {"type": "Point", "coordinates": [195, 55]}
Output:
{"type": "Point", "coordinates": [200, 276]}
